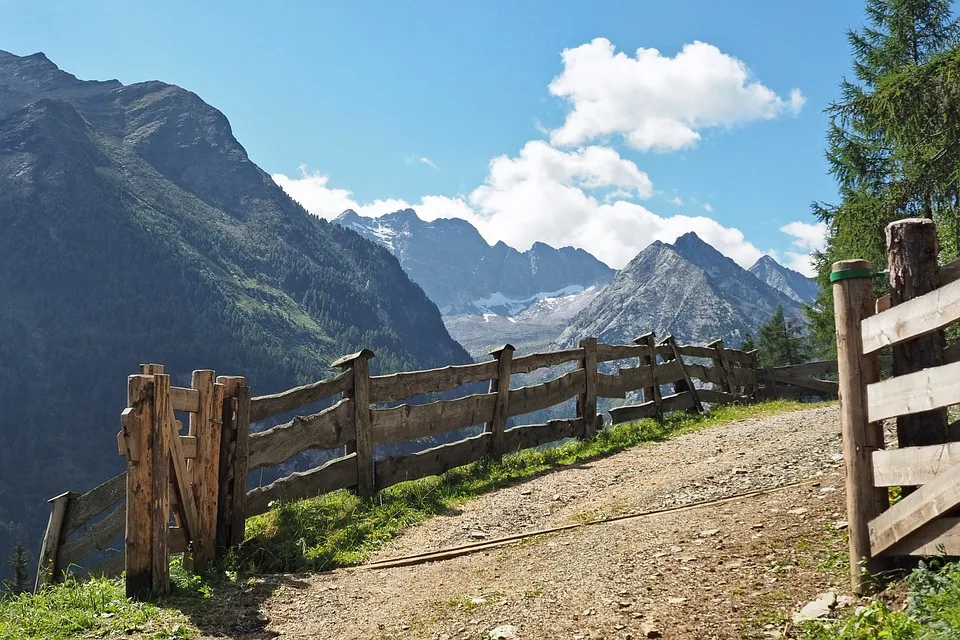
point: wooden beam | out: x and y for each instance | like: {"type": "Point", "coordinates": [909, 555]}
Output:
{"type": "Point", "coordinates": [913, 466]}
{"type": "Point", "coordinates": [534, 361]}
{"type": "Point", "coordinates": [540, 396]}
{"type": "Point", "coordinates": [205, 427]}
{"type": "Point", "coordinates": [181, 479]}
{"type": "Point", "coordinates": [138, 543]}
{"type": "Point", "coordinates": [268, 406]}
{"type": "Point", "coordinates": [408, 384]}
{"type": "Point", "coordinates": [47, 566]}
{"type": "Point", "coordinates": [359, 364]}
{"type": "Point", "coordinates": [608, 352]}
{"type": "Point", "coordinates": [923, 505]}
{"type": "Point", "coordinates": [853, 303]}
{"type": "Point", "coordinates": [409, 422]}
{"type": "Point", "coordinates": [911, 319]}
{"type": "Point", "coordinates": [340, 473]}
{"type": "Point", "coordinates": [431, 462]}
{"type": "Point", "coordinates": [96, 538]}
{"type": "Point", "coordinates": [184, 399]}
{"type": "Point", "coordinates": [938, 538]}
{"type": "Point", "coordinates": [914, 392]}
{"type": "Point", "coordinates": [535, 435]}
{"type": "Point", "coordinates": [651, 393]}
{"type": "Point", "coordinates": [331, 428]}
{"type": "Point", "coordinates": [501, 387]}
{"type": "Point", "coordinates": [93, 503]}
{"type": "Point", "coordinates": [157, 455]}
{"type": "Point", "coordinates": [242, 460]}
{"type": "Point", "coordinates": [587, 402]}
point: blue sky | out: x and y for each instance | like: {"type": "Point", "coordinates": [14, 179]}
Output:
{"type": "Point", "coordinates": [471, 109]}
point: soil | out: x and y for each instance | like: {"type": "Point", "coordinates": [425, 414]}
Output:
{"type": "Point", "coordinates": [732, 570]}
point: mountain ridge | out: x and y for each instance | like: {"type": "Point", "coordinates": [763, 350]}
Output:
{"type": "Point", "coordinates": [789, 282]}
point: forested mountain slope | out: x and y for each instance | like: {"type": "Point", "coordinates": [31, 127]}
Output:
{"type": "Point", "coordinates": [136, 229]}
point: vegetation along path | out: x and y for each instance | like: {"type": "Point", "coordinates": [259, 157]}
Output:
{"type": "Point", "coordinates": [729, 570]}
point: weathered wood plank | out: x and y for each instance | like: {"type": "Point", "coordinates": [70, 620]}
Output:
{"type": "Point", "coordinates": [629, 413]}
{"type": "Point", "coordinates": [94, 502]}
{"type": "Point", "coordinates": [611, 386]}
{"type": "Point", "coordinates": [534, 361]}
{"type": "Point", "coordinates": [687, 382]}
{"type": "Point", "coordinates": [205, 468]}
{"type": "Point", "coordinates": [737, 356]}
{"type": "Point", "coordinates": [534, 435]}
{"type": "Point", "coordinates": [937, 538]}
{"type": "Point", "coordinates": [675, 402]}
{"type": "Point", "coordinates": [696, 351]}
{"type": "Point", "coordinates": [408, 422]}
{"type": "Point", "coordinates": [913, 466]}
{"type": "Point", "coordinates": [331, 428]}
{"type": "Point", "coordinates": [340, 473]}
{"type": "Point", "coordinates": [587, 401]}
{"type": "Point", "coordinates": [636, 378]}
{"type": "Point", "coordinates": [923, 505]}
{"type": "Point", "coordinates": [157, 455]}
{"type": "Point", "coordinates": [669, 371]}
{"type": "Point", "coordinates": [183, 487]}
{"type": "Point", "coordinates": [242, 468]}
{"type": "Point", "coordinates": [706, 374]}
{"type": "Point", "coordinates": [718, 397]}
{"type": "Point", "coordinates": [359, 365]}
{"type": "Point", "coordinates": [820, 386]}
{"type": "Point", "coordinates": [139, 489]}
{"type": "Point", "coordinates": [96, 538]}
{"type": "Point", "coordinates": [822, 368]}
{"type": "Point", "coordinates": [431, 462]}
{"type": "Point", "coordinates": [398, 386]}
{"type": "Point", "coordinates": [914, 392]}
{"type": "Point", "coordinates": [541, 396]}
{"type": "Point", "coordinates": [47, 572]}
{"type": "Point", "coordinates": [912, 318]}
{"type": "Point", "coordinates": [263, 407]}
{"type": "Point", "coordinates": [608, 352]}
{"type": "Point", "coordinates": [501, 387]}
{"type": "Point", "coordinates": [184, 399]}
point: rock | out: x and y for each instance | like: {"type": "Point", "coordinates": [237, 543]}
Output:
{"type": "Point", "coordinates": [709, 533]}
{"type": "Point", "coordinates": [478, 535]}
{"type": "Point", "coordinates": [526, 492]}
{"type": "Point", "coordinates": [798, 512]}
{"type": "Point", "coordinates": [840, 525]}
{"type": "Point", "coordinates": [478, 601]}
{"type": "Point", "coordinates": [262, 617]}
{"type": "Point", "coordinates": [503, 632]}
{"type": "Point", "coordinates": [676, 600]}
{"type": "Point", "coordinates": [845, 601]}
{"type": "Point", "coordinates": [819, 608]}
{"type": "Point", "coordinates": [649, 630]}
{"type": "Point", "coordinates": [557, 496]}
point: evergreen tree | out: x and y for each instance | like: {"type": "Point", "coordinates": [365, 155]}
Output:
{"type": "Point", "coordinates": [878, 177]}
{"type": "Point", "coordinates": [748, 343]}
{"type": "Point", "coordinates": [18, 562]}
{"type": "Point", "coordinates": [781, 342]}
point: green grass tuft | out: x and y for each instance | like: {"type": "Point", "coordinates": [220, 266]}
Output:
{"type": "Point", "coordinates": [341, 529]}
{"type": "Point", "coordinates": [933, 612]}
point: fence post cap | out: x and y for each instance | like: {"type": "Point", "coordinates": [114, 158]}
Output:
{"type": "Point", "coordinates": [716, 343]}
{"type": "Point", "coordinates": [666, 339]}
{"type": "Point", "coordinates": [347, 361]}
{"type": "Point", "coordinates": [588, 341]}
{"type": "Point", "coordinates": [844, 265]}
{"type": "Point", "coordinates": [65, 494]}
{"type": "Point", "coordinates": [507, 347]}
{"type": "Point", "coordinates": [643, 339]}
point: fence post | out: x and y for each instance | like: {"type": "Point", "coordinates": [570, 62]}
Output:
{"type": "Point", "coordinates": [205, 468]}
{"type": "Point", "coordinates": [912, 255]}
{"type": "Point", "coordinates": [685, 383]}
{"type": "Point", "coordinates": [651, 393]}
{"type": "Point", "coordinates": [229, 469]}
{"type": "Point", "coordinates": [853, 301]}
{"type": "Point", "coordinates": [750, 391]}
{"type": "Point", "coordinates": [587, 401]}
{"type": "Point", "coordinates": [359, 363]}
{"type": "Point", "coordinates": [159, 460]}
{"type": "Point", "coordinates": [721, 361]}
{"type": "Point", "coordinates": [47, 566]}
{"type": "Point", "coordinates": [501, 386]}
{"type": "Point", "coordinates": [241, 463]}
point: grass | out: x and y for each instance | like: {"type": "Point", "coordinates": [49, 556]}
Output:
{"type": "Point", "coordinates": [334, 530]}
{"type": "Point", "coordinates": [932, 612]}
{"type": "Point", "coordinates": [341, 529]}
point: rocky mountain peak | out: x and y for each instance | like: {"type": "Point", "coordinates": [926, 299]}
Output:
{"type": "Point", "coordinates": [792, 284]}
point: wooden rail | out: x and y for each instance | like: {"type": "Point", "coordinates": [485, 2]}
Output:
{"type": "Point", "coordinates": [203, 475]}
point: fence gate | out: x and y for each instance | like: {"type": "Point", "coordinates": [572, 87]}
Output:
{"type": "Point", "coordinates": [170, 473]}
{"type": "Point", "coordinates": [916, 524]}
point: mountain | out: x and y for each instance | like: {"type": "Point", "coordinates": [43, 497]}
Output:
{"type": "Point", "coordinates": [792, 283]}
{"type": "Point", "coordinates": [136, 229]}
{"type": "Point", "coordinates": [464, 275]}
{"type": "Point", "coordinates": [688, 289]}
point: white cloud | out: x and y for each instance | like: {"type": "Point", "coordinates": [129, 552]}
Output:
{"type": "Point", "coordinates": [427, 161]}
{"type": "Point", "coordinates": [657, 102]}
{"type": "Point", "coordinates": [708, 207]}
{"type": "Point", "coordinates": [806, 238]}
{"type": "Point", "coordinates": [577, 198]}
{"type": "Point", "coordinates": [675, 200]}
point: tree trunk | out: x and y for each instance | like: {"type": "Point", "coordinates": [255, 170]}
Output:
{"type": "Point", "coordinates": [912, 254]}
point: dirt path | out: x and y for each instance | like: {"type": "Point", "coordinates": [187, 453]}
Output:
{"type": "Point", "coordinates": [726, 571]}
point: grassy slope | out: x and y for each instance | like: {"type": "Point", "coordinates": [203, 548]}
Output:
{"type": "Point", "coordinates": [334, 530]}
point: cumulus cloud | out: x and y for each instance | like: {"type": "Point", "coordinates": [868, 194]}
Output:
{"type": "Point", "coordinates": [656, 102]}
{"type": "Point", "coordinates": [580, 198]}
{"type": "Point", "coordinates": [806, 238]}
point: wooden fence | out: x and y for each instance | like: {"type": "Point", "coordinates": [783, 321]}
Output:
{"type": "Point", "coordinates": [200, 476]}
{"type": "Point", "coordinates": [926, 381]}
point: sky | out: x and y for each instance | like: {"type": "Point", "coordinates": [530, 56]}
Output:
{"type": "Point", "coordinates": [601, 125]}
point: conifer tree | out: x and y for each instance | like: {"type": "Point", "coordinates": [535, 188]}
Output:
{"type": "Point", "coordinates": [18, 562]}
{"type": "Point", "coordinates": [876, 180]}
{"type": "Point", "coordinates": [781, 341]}
{"type": "Point", "coordinates": [748, 344]}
